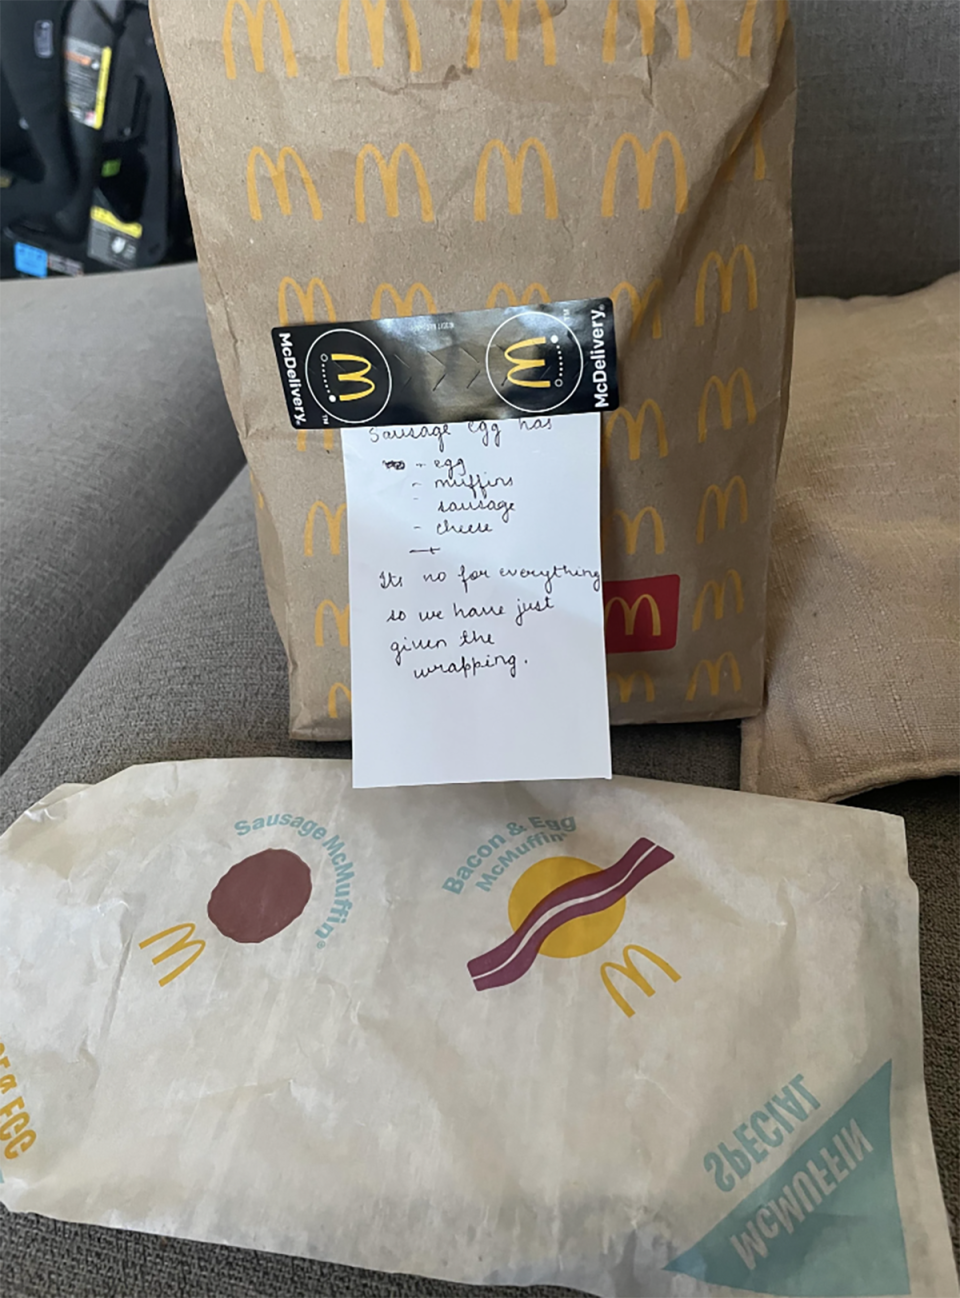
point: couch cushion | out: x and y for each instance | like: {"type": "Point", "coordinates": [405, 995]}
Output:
{"type": "Point", "coordinates": [876, 193]}
{"type": "Point", "coordinates": [115, 438]}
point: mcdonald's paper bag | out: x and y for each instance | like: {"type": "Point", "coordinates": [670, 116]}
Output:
{"type": "Point", "coordinates": [628, 1037]}
{"type": "Point", "coordinates": [348, 160]}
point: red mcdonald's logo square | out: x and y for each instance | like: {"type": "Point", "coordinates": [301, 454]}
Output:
{"type": "Point", "coordinates": [640, 616]}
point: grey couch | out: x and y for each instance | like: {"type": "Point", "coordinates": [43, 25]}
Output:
{"type": "Point", "coordinates": [135, 625]}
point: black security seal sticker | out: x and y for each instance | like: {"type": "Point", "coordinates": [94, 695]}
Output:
{"type": "Point", "coordinates": [555, 357]}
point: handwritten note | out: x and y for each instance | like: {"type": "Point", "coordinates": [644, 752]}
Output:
{"type": "Point", "coordinates": [476, 618]}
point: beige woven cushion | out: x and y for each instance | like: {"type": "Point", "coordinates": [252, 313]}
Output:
{"type": "Point", "coordinates": [863, 669]}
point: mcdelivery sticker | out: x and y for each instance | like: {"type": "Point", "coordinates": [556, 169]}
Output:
{"type": "Point", "coordinates": [499, 364]}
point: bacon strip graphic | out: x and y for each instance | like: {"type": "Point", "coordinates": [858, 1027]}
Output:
{"type": "Point", "coordinates": [510, 960]}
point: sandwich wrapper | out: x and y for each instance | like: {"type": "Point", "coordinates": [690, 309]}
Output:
{"type": "Point", "coordinates": [627, 1037]}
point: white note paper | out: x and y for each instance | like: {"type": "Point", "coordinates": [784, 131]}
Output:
{"type": "Point", "coordinates": [476, 616]}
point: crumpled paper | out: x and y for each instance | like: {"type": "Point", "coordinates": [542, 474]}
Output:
{"type": "Point", "coordinates": [627, 1037]}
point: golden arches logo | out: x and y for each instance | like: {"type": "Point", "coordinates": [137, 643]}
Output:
{"type": "Point", "coordinates": [510, 22]}
{"type": "Point", "coordinates": [725, 397]}
{"type": "Point", "coordinates": [513, 166]}
{"type": "Point", "coordinates": [713, 670]}
{"type": "Point", "coordinates": [327, 439]}
{"type": "Point", "coordinates": [630, 971]}
{"type": "Point", "coordinates": [518, 364]}
{"type": "Point", "coordinates": [725, 271]}
{"type": "Point", "coordinates": [277, 171]}
{"type": "Point", "coordinates": [646, 160]}
{"type": "Point", "coordinates": [625, 685]}
{"type": "Point", "coordinates": [402, 305]}
{"type": "Point", "coordinates": [334, 523]}
{"type": "Point", "coordinates": [374, 11]}
{"type": "Point", "coordinates": [722, 498]}
{"type": "Point", "coordinates": [719, 590]}
{"type": "Point", "coordinates": [630, 612]}
{"type": "Point", "coordinates": [647, 16]}
{"type": "Point", "coordinates": [651, 299]}
{"type": "Point", "coordinates": [748, 18]}
{"type": "Point", "coordinates": [255, 21]}
{"type": "Point", "coordinates": [512, 299]}
{"type": "Point", "coordinates": [388, 179]}
{"type": "Point", "coordinates": [332, 698]}
{"type": "Point", "coordinates": [184, 942]}
{"type": "Point", "coordinates": [341, 617]}
{"type": "Point", "coordinates": [305, 298]}
{"type": "Point", "coordinates": [631, 528]}
{"type": "Point", "coordinates": [355, 376]}
{"type": "Point", "coordinates": [755, 132]}
{"type": "Point", "coordinates": [634, 426]}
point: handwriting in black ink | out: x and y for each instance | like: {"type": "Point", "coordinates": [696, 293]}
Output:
{"type": "Point", "coordinates": [445, 526]}
{"type": "Point", "coordinates": [397, 615]}
{"type": "Point", "coordinates": [431, 549]}
{"type": "Point", "coordinates": [487, 610]}
{"type": "Point", "coordinates": [474, 637]}
{"type": "Point", "coordinates": [486, 431]}
{"type": "Point", "coordinates": [394, 464]}
{"type": "Point", "coordinates": [503, 507]}
{"type": "Point", "coordinates": [390, 581]}
{"type": "Point", "coordinates": [540, 606]}
{"type": "Point", "coordinates": [434, 576]}
{"type": "Point", "coordinates": [468, 668]}
{"type": "Point", "coordinates": [467, 577]}
{"type": "Point", "coordinates": [549, 575]}
{"type": "Point", "coordinates": [431, 615]}
{"type": "Point", "coordinates": [409, 646]}
{"type": "Point", "coordinates": [536, 425]}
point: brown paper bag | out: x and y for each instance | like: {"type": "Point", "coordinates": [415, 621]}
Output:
{"type": "Point", "coordinates": [347, 159]}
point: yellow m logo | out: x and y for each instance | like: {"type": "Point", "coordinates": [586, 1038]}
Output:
{"type": "Point", "coordinates": [719, 590]}
{"type": "Point", "coordinates": [305, 298]}
{"type": "Point", "coordinates": [630, 612]}
{"type": "Point", "coordinates": [355, 376]}
{"type": "Point", "coordinates": [512, 299]}
{"type": "Point", "coordinates": [639, 305]}
{"type": "Point", "coordinates": [713, 675]}
{"type": "Point", "coordinates": [388, 179]}
{"type": "Point", "coordinates": [341, 617]}
{"type": "Point", "coordinates": [520, 363]}
{"type": "Point", "coordinates": [510, 21]}
{"type": "Point", "coordinates": [625, 685]}
{"type": "Point", "coordinates": [646, 161]}
{"type": "Point", "coordinates": [647, 14]}
{"type": "Point", "coordinates": [630, 971]}
{"type": "Point", "coordinates": [334, 522]}
{"type": "Point", "coordinates": [725, 271]}
{"type": "Point", "coordinates": [374, 12]}
{"type": "Point", "coordinates": [513, 170]}
{"type": "Point", "coordinates": [631, 528]}
{"type": "Point", "coordinates": [332, 698]}
{"type": "Point", "coordinates": [278, 175]}
{"type": "Point", "coordinates": [402, 305]}
{"type": "Point", "coordinates": [745, 40]}
{"type": "Point", "coordinates": [634, 425]}
{"type": "Point", "coordinates": [722, 498]}
{"type": "Point", "coordinates": [183, 943]}
{"type": "Point", "coordinates": [255, 35]}
{"type": "Point", "coordinates": [725, 395]}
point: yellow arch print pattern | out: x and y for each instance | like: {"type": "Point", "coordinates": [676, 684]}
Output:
{"type": "Point", "coordinates": [719, 591]}
{"type": "Point", "coordinates": [403, 306]}
{"type": "Point", "coordinates": [305, 298]}
{"type": "Point", "coordinates": [277, 171]}
{"type": "Point", "coordinates": [725, 397]}
{"type": "Point", "coordinates": [374, 11]}
{"type": "Point", "coordinates": [647, 16]}
{"type": "Point", "coordinates": [341, 617]}
{"type": "Point", "coordinates": [513, 166]}
{"type": "Point", "coordinates": [625, 685]}
{"type": "Point", "coordinates": [634, 426]}
{"type": "Point", "coordinates": [646, 161]}
{"type": "Point", "coordinates": [332, 698]}
{"type": "Point", "coordinates": [389, 179]}
{"type": "Point", "coordinates": [512, 299]}
{"type": "Point", "coordinates": [651, 300]}
{"type": "Point", "coordinates": [722, 498]}
{"type": "Point", "coordinates": [713, 670]}
{"type": "Point", "coordinates": [745, 39]}
{"type": "Point", "coordinates": [255, 20]}
{"type": "Point", "coordinates": [725, 271]}
{"type": "Point", "coordinates": [510, 22]}
{"type": "Point", "coordinates": [334, 522]}
{"type": "Point", "coordinates": [631, 528]}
